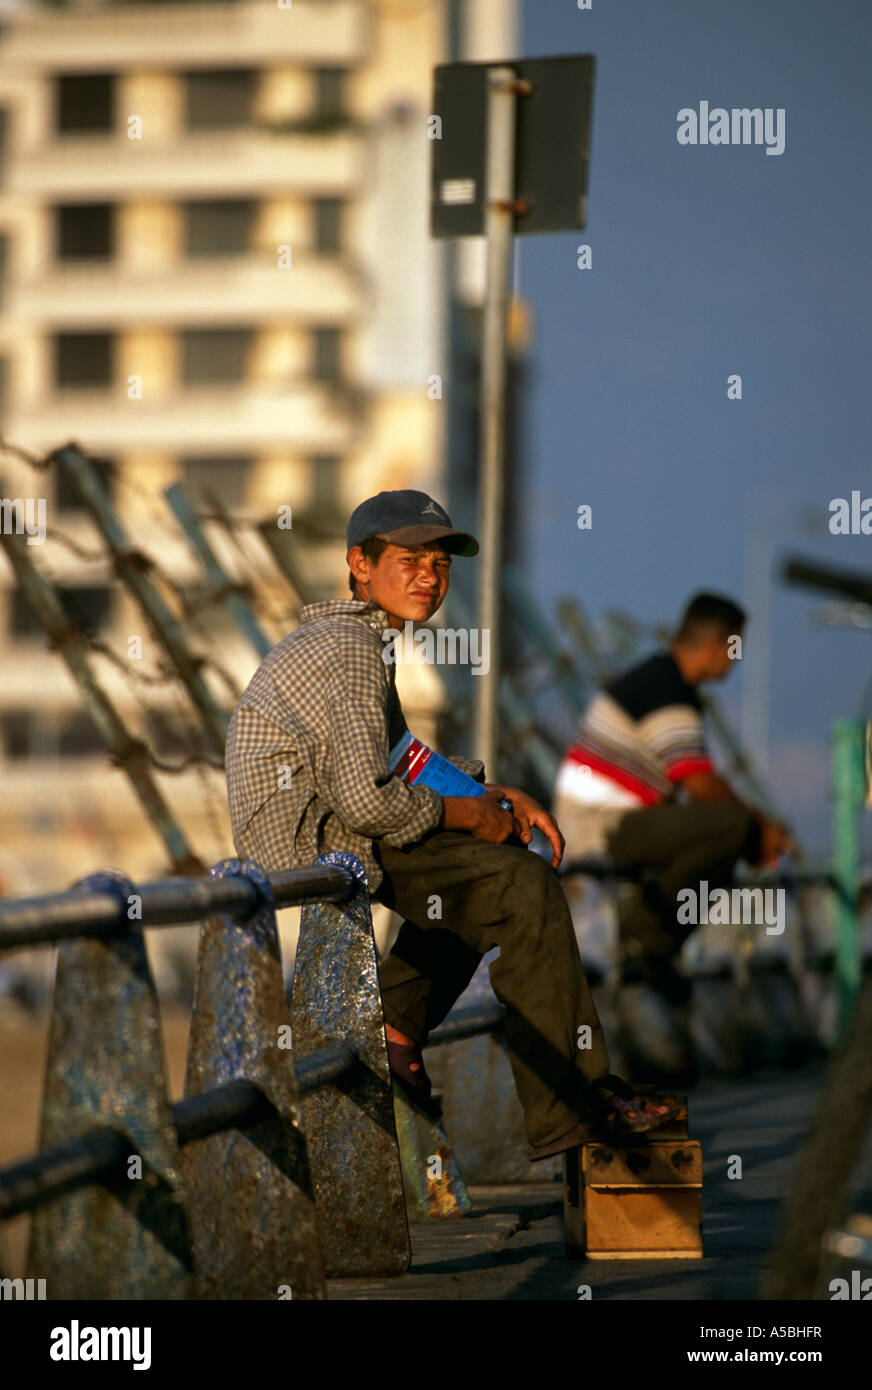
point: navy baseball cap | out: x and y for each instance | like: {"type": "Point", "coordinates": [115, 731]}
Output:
{"type": "Point", "coordinates": [407, 517]}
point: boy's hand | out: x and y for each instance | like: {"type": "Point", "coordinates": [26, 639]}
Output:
{"type": "Point", "coordinates": [529, 813]}
{"type": "Point", "coordinates": [482, 816]}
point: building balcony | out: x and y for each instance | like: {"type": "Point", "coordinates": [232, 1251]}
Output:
{"type": "Point", "coordinates": [246, 289]}
{"type": "Point", "coordinates": [303, 416]}
{"type": "Point", "coordinates": [187, 36]}
{"type": "Point", "coordinates": [196, 164]}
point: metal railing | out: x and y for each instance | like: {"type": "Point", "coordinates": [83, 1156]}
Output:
{"type": "Point", "coordinates": [281, 1165]}
{"type": "Point", "coordinates": [289, 1160]}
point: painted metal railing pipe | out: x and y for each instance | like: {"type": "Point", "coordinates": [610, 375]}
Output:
{"type": "Point", "coordinates": [86, 1159]}
{"type": "Point", "coordinates": [93, 1157]}
{"type": "Point", "coordinates": [226, 1193]}
{"type": "Point", "coordinates": [468, 1022]}
{"type": "Point", "coordinates": [170, 902]}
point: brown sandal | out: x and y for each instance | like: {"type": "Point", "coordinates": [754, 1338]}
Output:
{"type": "Point", "coordinates": [639, 1115]}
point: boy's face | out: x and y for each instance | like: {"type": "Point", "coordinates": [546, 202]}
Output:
{"type": "Point", "coordinates": [408, 582]}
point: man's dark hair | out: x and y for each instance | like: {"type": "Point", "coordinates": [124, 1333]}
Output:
{"type": "Point", "coordinates": [373, 548]}
{"type": "Point", "coordinates": [707, 614]}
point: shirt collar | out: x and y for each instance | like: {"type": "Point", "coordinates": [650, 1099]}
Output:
{"type": "Point", "coordinates": [369, 611]}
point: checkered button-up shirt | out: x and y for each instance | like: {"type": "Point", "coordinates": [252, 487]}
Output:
{"type": "Point", "coordinates": [308, 743]}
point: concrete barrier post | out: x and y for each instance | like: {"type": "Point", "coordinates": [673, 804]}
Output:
{"type": "Point", "coordinates": [349, 1127]}
{"type": "Point", "coordinates": [251, 1206]}
{"type": "Point", "coordinates": [126, 1237]}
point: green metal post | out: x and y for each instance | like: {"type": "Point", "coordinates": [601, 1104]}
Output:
{"type": "Point", "coordinates": [849, 787]}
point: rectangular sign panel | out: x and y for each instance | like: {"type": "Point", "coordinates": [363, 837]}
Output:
{"type": "Point", "coordinates": [552, 145]}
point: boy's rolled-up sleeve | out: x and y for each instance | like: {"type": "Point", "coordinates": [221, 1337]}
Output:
{"type": "Point", "coordinates": [364, 795]}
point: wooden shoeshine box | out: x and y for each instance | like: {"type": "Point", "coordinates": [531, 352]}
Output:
{"type": "Point", "coordinates": [632, 1203]}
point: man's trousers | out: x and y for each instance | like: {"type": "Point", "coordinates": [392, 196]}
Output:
{"type": "Point", "coordinates": [460, 896]}
{"type": "Point", "coordinates": [699, 840]}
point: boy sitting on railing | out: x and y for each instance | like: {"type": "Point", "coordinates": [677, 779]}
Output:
{"type": "Point", "coordinates": [308, 771]}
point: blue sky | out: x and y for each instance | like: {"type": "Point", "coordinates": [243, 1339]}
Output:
{"type": "Point", "coordinates": [708, 261]}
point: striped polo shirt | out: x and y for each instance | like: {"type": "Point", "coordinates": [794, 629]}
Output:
{"type": "Point", "coordinates": [638, 738]}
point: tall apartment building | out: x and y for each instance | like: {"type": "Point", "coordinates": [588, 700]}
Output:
{"type": "Point", "coordinates": [216, 268]}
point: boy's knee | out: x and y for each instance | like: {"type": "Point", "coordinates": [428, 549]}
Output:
{"type": "Point", "coordinates": [534, 872]}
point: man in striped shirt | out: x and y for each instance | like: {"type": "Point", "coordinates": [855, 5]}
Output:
{"type": "Point", "coordinates": [639, 785]}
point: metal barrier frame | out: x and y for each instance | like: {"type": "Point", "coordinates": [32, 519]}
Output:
{"type": "Point", "coordinates": [214, 1196]}
{"type": "Point", "coordinates": [275, 1171]}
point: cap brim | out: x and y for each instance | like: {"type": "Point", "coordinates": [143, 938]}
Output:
{"type": "Point", "coordinates": [457, 542]}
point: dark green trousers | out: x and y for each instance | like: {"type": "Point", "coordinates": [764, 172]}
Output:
{"type": "Point", "coordinates": [684, 844]}
{"type": "Point", "coordinates": [459, 897]}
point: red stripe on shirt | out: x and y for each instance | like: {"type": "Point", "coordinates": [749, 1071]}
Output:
{"type": "Point", "coordinates": [648, 795]}
{"type": "Point", "coordinates": [688, 767]}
